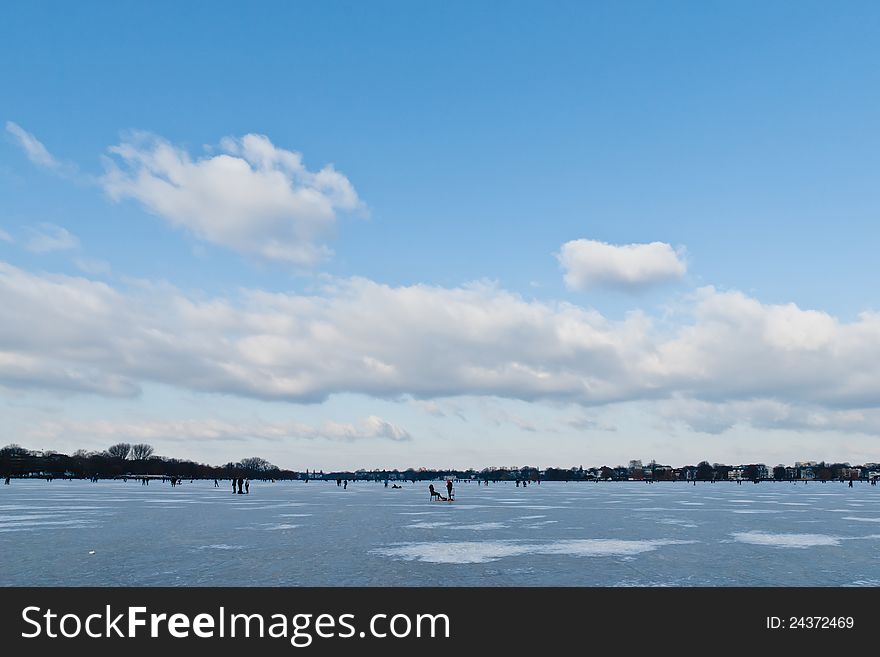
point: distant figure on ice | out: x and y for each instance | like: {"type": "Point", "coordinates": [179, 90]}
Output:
{"type": "Point", "coordinates": [247, 487]}
{"type": "Point", "coordinates": [233, 486]}
{"type": "Point", "coordinates": [850, 483]}
{"type": "Point", "coordinates": [449, 489]}
{"type": "Point", "coordinates": [345, 485]}
{"type": "Point", "coordinates": [240, 484]}
{"type": "Point", "coordinates": [434, 494]}
{"type": "Point", "coordinates": [216, 484]}
{"type": "Point", "coordinates": [7, 481]}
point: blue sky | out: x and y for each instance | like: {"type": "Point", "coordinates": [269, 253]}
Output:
{"type": "Point", "coordinates": [469, 142]}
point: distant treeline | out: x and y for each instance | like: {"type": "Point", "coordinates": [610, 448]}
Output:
{"type": "Point", "coordinates": [125, 460]}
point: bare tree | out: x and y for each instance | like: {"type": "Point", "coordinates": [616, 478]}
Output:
{"type": "Point", "coordinates": [256, 464]}
{"type": "Point", "coordinates": [119, 450]}
{"type": "Point", "coordinates": [141, 451]}
{"type": "Point", "coordinates": [14, 450]}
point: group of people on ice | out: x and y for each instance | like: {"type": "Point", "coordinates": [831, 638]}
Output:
{"type": "Point", "coordinates": [435, 495]}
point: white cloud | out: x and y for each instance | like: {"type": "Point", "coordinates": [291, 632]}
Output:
{"type": "Point", "coordinates": [254, 197]}
{"type": "Point", "coordinates": [773, 365]}
{"type": "Point", "coordinates": [46, 238]}
{"type": "Point", "coordinates": [589, 263]}
{"type": "Point", "coordinates": [5, 237]}
{"type": "Point", "coordinates": [32, 147]}
{"type": "Point", "coordinates": [370, 428]}
{"type": "Point", "coordinates": [716, 417]}
{"type": "Point", "coordinates": [92, 266]}
{"type": "Point", "coordinates": [588, 424]}
{"type": "Point", "coordinates": [429, 407]}
{"type": "Point", "coordinates": [439, 408]}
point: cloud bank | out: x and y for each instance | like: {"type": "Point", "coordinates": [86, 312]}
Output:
{"type": "Point", "coordinates": [786, 365]}
{"type": "Point", "coordinates": [369, 428]}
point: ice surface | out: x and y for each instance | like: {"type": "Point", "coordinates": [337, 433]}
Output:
{"type": "Point", "coordinates": [557, 534]}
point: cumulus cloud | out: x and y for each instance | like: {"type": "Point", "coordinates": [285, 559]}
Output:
{"type": "Point", "coordinates": [46, 238]}
{"type": "Point", "coordinates": [590, 263]}
{"type": "Point", "coordinates": [32, 147]}
{"type": "Point", "coordinates": [253, 197]}
{"type": "Point", "coordinates": [425, 342]}
{"type": "Point", "coordinates": [370, 428]}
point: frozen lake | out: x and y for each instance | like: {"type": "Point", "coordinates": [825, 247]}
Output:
{"type": "Point", "coordinates": [112, 533]}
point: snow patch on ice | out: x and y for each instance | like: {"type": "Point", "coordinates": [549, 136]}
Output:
{"type": "Point", "coordinates": [786, 540]}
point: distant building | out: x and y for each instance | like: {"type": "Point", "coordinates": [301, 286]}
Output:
{"type": "Point", "coordinates": [688, 473]}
